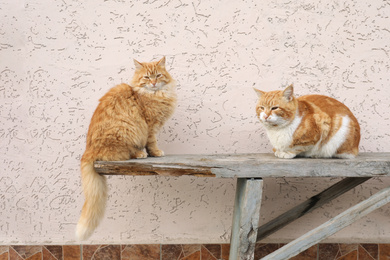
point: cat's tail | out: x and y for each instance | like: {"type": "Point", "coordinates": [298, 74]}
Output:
{"type": "Point", "coordinates": [95, 192]}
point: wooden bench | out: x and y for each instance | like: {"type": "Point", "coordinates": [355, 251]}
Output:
{"type": "Point", "coordinates": [249, 169]}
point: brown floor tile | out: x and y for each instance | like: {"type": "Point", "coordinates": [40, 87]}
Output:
{"type": "Point", "coordinates": [188, 252]}
{"type": "Point", "coordinates": [37, 256]}
{"type": "Point", "coordinates": [126, 252]}
{"type": "Point", "coordinates": [46, 255]}
{"type": "Point", "coordinates": [190, 249]}
{"type": "Point", "coordinates": [384, 251]}
{"type": "Point", "coordinates": [371, 249]}
{"type": "Point", "coordinates": [88, 251]}
{"type": "Point", "coordinates": [27, 251]}
{"type": "Point", "coordinates": [308, 254]}
{"type": "Point", "coordinates": [328, 251]}
{"type": "Point", "coordinates": [349, 256]}
{"type": "Point", "coordinates": [262, 250]}
{"type": "Point", "coordinates": [110, 252]}
{"type": "Point", "coordinates": [364, 255]}
{"type": "Point", "coordinates": [206, 254]}
{"type": "Point", "coordinates": [214, 249]}
{"type": "Point", "coordinates": [56, 251]}
{"type": "Point", "coordinates": [3, 249]}
{"type": "Point", "coordinates": [13, 255]}
{"type": "Point", "coordinates": [4, 256]}
{"type": "Point", "coordinates": [225, 251]}
{"type": "Point", "coordinates": [347, 248]}
{"type": "Point", "coordinates": [71, 252]}
{"type": "Point", "coordinates": [171, 252]}
{"type": "Point", "coordinates": [141, 252]}
{"type": "Point", "coordinates": [193, 256]}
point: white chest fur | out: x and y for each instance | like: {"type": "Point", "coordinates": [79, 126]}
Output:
{"type": "Point", "coordinates": [281, 137]}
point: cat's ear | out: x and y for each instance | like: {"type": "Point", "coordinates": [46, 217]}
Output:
{"type": "Point", "coordinates": [258, 92]}
{"type": "Point", "coordinates": [138, 65]}
{"type": "Point", "coordinates": [288, 93]}
{"type": "Point", "coordinates": [161, 62]}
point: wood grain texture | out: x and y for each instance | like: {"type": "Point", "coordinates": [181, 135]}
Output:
{"type": "Point", "coordinates": [245, 218]}
{"type": "Point", "coordinates": [250, 165]}
{"type": "Point", "coordinates": [132, 167]}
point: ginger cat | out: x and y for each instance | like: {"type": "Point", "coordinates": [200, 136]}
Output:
{"type": "Point", "coordinates": [308, 126]}
{"type": "Point", "coordinates": [125, 122]}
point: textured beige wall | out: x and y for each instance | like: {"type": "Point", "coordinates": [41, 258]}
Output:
{"type": "Point", "coordinates": [57, 58]}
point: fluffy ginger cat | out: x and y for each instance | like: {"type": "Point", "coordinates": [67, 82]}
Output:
{"type": "Point", "coordinates": [124, 123]}
{"type": "Point", "coordinates": [309, 126]}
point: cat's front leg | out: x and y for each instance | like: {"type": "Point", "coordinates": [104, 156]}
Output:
{"type": "Point", "coordinates": [136, 153]}
{"type": "Point", "coordinates": [140, 154]}
{"type": "Point", "coordinates": [284, 154]}
{"type": "Point", "coordinates": [155, 152]}
{"type": "Point", "coordinates": [151, 147]}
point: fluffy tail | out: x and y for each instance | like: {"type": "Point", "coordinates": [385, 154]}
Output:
{"type": "Point", "coordinates": [95, 191]}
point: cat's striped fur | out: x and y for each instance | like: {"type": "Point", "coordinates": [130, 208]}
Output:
{"type": "Point", "coordinates": [308, 126]}
{"type": "Point", "coordinates": [125, 122]}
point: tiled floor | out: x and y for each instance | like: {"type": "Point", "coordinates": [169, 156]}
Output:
{"type": "Point", "coordinates": [187, 252]}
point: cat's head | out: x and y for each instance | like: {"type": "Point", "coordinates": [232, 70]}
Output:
{"type": "Point", "coordinates": [151, 76]}
{"type": "Point", "coordinates": [276, 108]}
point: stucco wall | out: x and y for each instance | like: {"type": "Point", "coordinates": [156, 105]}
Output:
{"type": "Point", "coordinates": [57, 58]}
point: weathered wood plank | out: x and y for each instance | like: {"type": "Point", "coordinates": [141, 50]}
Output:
{"type": "Point", "coordinates": [332, 226]}
{"type": "Point", "coordinates": [245, 218]}
{"type": "Point", "coordinates": [311, 204]}
{"type": "Point", "coordinates": [137, 167]}
{"type": "Point", "coordinates": [251, 165]}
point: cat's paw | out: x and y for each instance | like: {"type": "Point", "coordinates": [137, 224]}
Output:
{"type": "Point", "coordinates": [156, 153]}
{"type": "Point", "coordinates": [284, 155]}
{"type": "Point", "coordinates": [140, 155]}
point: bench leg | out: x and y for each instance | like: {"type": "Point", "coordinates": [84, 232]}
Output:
{"type": "Point", "coordinates": [245, 218]}
{"type": "Point", "coordinates": [308, 206]}
{"type": "Point", "coordinates": [332, 226]}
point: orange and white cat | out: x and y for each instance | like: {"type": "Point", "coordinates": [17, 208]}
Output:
{"type": "Point", "coordinates": [308, 126]}
{"type": "Point", "coordinates": [124, 124]}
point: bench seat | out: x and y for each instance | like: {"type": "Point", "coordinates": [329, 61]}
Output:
{"type": "Point", "coordinates": [250, 169]}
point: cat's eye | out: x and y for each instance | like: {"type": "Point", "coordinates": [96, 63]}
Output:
{"type": "Point", "coordinates": [146, 77]}
{"type": "Point", "coordinates": [158, 75]}
{"type": "Point", "coordinates": [274, 108]}
{"type": "Point", "coordinates": [262, 108]}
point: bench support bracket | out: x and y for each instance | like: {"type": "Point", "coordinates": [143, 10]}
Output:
{"type": "Point", "coordinates": [332, 226]}
{"type": "Point", "coordinates": [309, 205]}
